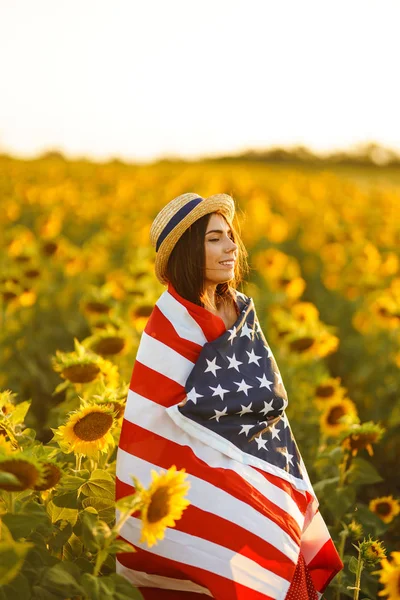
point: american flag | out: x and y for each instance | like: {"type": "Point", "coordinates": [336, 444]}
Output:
{"type": "Point", "coordinates": [212, 401]}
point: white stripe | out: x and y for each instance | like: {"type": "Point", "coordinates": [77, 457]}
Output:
{"type": "Point", "coordinates": [191, 550]}
{"type": "Point", "coordinates": [141, 579]}
{"type": "Point", "coordinates": [213, 439]}
{"type": "Point", "coordinates": [314, 537]}
{"type": "Point", "coordinates": [151, 416]}
{"type": "Point", "coordinates": [214, 500]}
{"type": "Point", "coordinates": [161, 358]}
{"type": "Point", "coordinates": [181, 320]}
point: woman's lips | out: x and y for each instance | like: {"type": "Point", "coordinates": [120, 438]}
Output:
{"type": "Point", "coordinates": [228, 264]}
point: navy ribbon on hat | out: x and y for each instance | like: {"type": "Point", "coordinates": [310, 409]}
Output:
{"type": "Point", "coordinates": [178, 216]}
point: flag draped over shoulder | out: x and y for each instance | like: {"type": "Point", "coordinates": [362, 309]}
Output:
{"type": "Point", "coordinates": [212, 401]}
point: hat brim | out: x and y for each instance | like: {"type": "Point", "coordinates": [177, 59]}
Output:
{"type": "Point", "coordinates": [217, 202]}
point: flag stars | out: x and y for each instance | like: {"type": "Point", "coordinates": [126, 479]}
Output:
{"type": "Point", "coordinates": [287, 456]}
{"type": "Point", "coordinates": [218, 391]}
{"type": "Point", "coordinates": [245, 409]}
{"type": "Point", "coordinates": [243, 386]}
{"type": "Point", "coordinates": [219, 414]}
{"type": "Point", "coordinates": [233, 333]}
{"type": "Point", "coordinates": [253, 358]}
{"type": "Point", "coordinates": [268, 406]}
{"type": "Point", "coordinates": [285, 420]}
{"type": "Point", "coordinates": [212, 366]}
{"type": "Point", "coordinates": [279, 378]}
{"type": "Point", "coordinates": [233, 363]}
{"type": "Point", "coordinates": [245, 429]}
{"type": "Point", "coordinates": [275, 432]}
{"type": "Point", "coordinates": [264, 382]}
{"type": "Point", "coordinates": [246, 331]}
{"type": "Point", "coordinates": [192, 395]}
{"type": "Point", "coordinates": [261, 443]}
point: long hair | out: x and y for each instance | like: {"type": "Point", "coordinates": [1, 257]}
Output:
{"type": "Point", "coordinates": [187, 262]}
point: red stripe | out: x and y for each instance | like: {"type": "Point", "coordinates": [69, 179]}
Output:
{"type": "Point", "coordinates": [212, 325]}
{"type": "Point", "coordinates": [217, 530]}
{"type": "Point", "coordinates": [325, 565]}
{"type": "Point", "coordinates": [219, 586]}
{"type": "Point", "coordinates": [158, 450]}
{"type": "Point", "coordinates": [148, 383]}
{"type": "Point", "coordinates": [160, 328]}
{"type": "Point", "coordinates": [301, 498]}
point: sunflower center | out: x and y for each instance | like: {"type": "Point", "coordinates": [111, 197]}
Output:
{"type": "Point", "coordinates": [159, 505]}
{"type": "Point", "coordinates": [325, 391]}
{"type": "Point", "coordinates": [93, 426]}
{"type": "Point", "coordinates": [25, 472]}
{"type": "Point", "coordinates": [335, 414]}
{"type": "Point", "coordinates": [383, 508]}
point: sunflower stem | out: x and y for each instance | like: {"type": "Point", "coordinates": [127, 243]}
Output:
{"type": "Point", "coordinates": [343, 537]}
{"type": "Point", "coordinates": [78, 458]}
{"type": "Point", "coordinates": [360, 565]}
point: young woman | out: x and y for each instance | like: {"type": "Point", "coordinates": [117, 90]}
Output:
{"type": "Point", "coordinates": [206, 395]}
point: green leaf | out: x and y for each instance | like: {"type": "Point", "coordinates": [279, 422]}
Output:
{"type": "Point", "coordinates": [104, 506]}
{"type": "Point", "coordinates": [337, 499]}
{"type": "Point", "coordinates": [362, 472]}
{"type": "Point", "coordinates": [113, 587]}
{"type": "Point", "coordinates": [68, 500]}
{"type": "Point", "coordinates": [18, 588]}
{"type": "Point", "coordinates": [61, 580]}
{"type": "Point", "coordinates": [353, 565]}
{"type": "Point", "coordinates": [58, 513]}
{"type": "Point", "coordinates": [18, 415]}
{"type": "Point", "coordinates": [120, 546]}
{"type": "Point", "coordinates": [7, 478]}
{"type": "Point", "coordinates": [12, 556]}
{"type": "Point", "coordinates": [100, 484]}
{"type": "Point", "coordinates": [32, 516]}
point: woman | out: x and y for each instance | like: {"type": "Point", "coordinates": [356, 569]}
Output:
{"type": "Point", "coordinates": [206, 395]}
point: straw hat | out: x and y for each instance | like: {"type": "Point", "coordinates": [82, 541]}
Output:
{"type": "Point", "coordinates": [177, 216]}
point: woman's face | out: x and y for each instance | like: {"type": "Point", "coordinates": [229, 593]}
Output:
{"type": "Point", "coordinates": [221, 252]}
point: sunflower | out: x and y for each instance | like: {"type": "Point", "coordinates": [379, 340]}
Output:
{"type": "Point", "coordinates": [371, 551]}
{"type": "Point", "coordinates": [140, 315]}
{"type": "Point", "coordinates": [87, 431]}
{"type": "Point", "coordinates": [390, 577]}
{"type": "Point", "coordinates": [358, 436]}
{"type": "Point", "coordinates": [338, 416]}
{"type": "Point", "coordinates": [52, 475]}
{"type": "Point", "coordinates": [26, 470]}
{"type": "Point", "coordinates": [386, 507]}
{"type": "Point", "coordinates": [163, 503]}
{"type": "Point", "coordinates": [328, 390]}
{"type": "Point", "coordinates": [82, 365]}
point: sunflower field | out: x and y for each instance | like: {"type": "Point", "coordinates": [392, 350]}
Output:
{"type": "Point", "coordinates": [77, 286]}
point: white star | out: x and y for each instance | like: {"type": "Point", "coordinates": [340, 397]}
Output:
{"type": "Point", "coordinates": [264, 382]}
{"type": "Point", "coordinates": [245, 429]}
{"type": "Point", "coordinates": [212, 366]}
{"type": "Point", "coordinates": [285, 420]}
{"type": "Point", "coordinates": [246, 331]}
{"type": "Point", "coordinates": [192, 395]}
{"type": "Point", "coordinates": [218, 414]}
{"type": "Point", "coordinates": [218, 391]}
{"type": "Point", "coordinates": [267, 407]}
{"type": "Point", "coordinates": [253, 358]}
{"type": "Point", "coordinates": [261, 442]}
{"type": "Point", "coordinates": [279, 378]}
{"type": "Point", "coordinates": [245, 409]}
{"type": "Point", "coordinates": [288, 457]}
{"type": "Point", "coordinates": [275, 432]}
{"type": "Point", "coordinates": [269, 352]}
{"type": "Point", "coordinates": [233, 363]}
{"type": "Point", "coordinates": [233, 334]}
{"type": "Point", "coordinates": [243, 387]}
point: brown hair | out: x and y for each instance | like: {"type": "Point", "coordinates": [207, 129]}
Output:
{"type": "Point", "coordinates": [186, 264]}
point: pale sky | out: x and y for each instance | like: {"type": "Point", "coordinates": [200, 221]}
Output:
{"type": "Point", "coordinates": [142, 79]}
